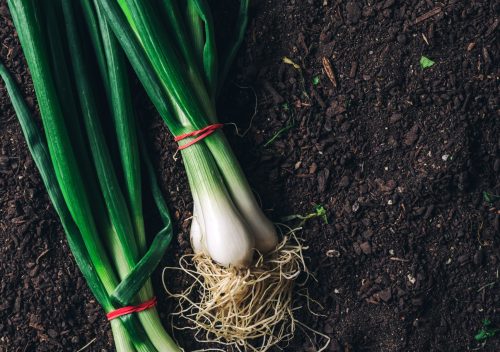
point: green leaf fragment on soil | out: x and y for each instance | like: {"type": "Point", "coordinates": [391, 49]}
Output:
{"type": "Point", "coordinates": [319, 212]}
{"type": "Point", "coordinates": [486, 331]}
{"type": "Point", "coordinates": [490, 197]}
{"type": "Point", "coordinates": [425, 62]}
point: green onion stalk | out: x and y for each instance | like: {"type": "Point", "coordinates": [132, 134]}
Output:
{"type": "Point", "coordinates": [91, 157]}
{"type": "Point", "coordinates": [247, 272]}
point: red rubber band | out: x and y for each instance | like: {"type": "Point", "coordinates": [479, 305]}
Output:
{"type": "Point", "coordinates": [131, 309]}
{"type": "Point", "coordinates": [199, 134]}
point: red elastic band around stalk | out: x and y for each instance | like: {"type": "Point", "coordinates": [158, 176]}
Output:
{"type": "Point", "coordinates": [199, 134]}
{"type": "Point", "coordinates": [131, 309]}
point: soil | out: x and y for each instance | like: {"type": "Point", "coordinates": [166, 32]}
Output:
{"type": "Point", "coordinates": [405, 160]}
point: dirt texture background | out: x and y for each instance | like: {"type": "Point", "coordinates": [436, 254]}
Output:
{"type": "Point", "coordinates": [405, 160]}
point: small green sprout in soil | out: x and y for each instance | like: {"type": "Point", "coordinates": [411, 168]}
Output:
{"type": "Point", "coordinates": [319, 211]}
{"type": "Point", "coordinates": [315, 80]}
{"type": "Point", "coordinates": [490, 197]}
{"type": "Point", "coordinates": [425, 62]}
{"type": "Point", "coordinates": [279, 133]}
{"type": "Point", "coordinates": [486, 331]}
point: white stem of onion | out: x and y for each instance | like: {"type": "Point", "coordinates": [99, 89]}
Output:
{"type": "Point", "coordinates": [266, 238]}
{"type": "Point", "coordinates": [219, 229]}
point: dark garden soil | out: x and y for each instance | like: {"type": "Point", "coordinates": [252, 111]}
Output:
{"type": "Point", "coordinates": [405, 160]}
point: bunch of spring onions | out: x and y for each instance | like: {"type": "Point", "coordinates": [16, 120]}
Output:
{"type": "Point", "coordinates": [246, 273]}
{"type": "Point", "coordinates": [91, 159]}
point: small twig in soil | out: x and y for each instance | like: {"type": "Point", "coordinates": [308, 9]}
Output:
{"type": "Point", "coordinates": [425, 39]}
{"type": "Point", "coordinates": [396, 259]}
{"type": "Point", "coordinates": [481, 242]}
{"type": "Point", "coordinates": [329, 71]}
{"type": "Point", "coordinates": [486, 286]}
{"type": "Point", "coordinates": [428, 15]}
{"type": "Point", "coordinates": [492, 27]}
{"type": "Point", "coordinates": [354, 69]}
{"type": "Point", "coordinates": [479, 348]}
{"type": "Point", "coordinates": [41, 255]}
{"type": "Point", "coordinates": [87, 345]}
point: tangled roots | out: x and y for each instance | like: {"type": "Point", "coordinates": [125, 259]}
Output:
{"type": "Point", "coordinates": [250, 309]}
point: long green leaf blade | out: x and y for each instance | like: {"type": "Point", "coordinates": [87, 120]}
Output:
{"type": "Point", "coordinates": [203, 35]}
{"type": "Point", "coordinates": [143, 69]}
{"type": "Point", "coordinates": [62, 73]}
{"type": "Point", "coordinates": [94, 30]}
{"type": "Point", "coordinates": [126, 128]}
{"type": "Point", "coordinates": [61, 150]}
{"type": "Point", "coordinates": [115, 201]}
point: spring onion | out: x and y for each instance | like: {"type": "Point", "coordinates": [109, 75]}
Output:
{"type": "Point", "coordinates": [96, 193]}
{"type": "Point", "coordinates": [247, 273]}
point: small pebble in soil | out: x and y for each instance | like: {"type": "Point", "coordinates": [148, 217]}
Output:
{"type": "Point", "coordinates": [323, 176]}
{"type": "Point", "coordinates": [344, 181]}
{"type": "Point", "coordinates": [355, 207]}
{"type": "Point", "coordinates": [412, 135]}
{"type": "Point", "coordinates": [463, 259]}
{"type": "Point", "coordinates": [401, 38]}
{"type": "Point", "coordinates": [332, 253]}
{"type": "Point", "coordinates": [395, 118]}
{"type": "Point", "coordinates": [356, 248]}
{"type": "Point", "coordinates": [385, 295]}
{"type": "Point", "coordinates": [52, 333]}
{"type": "Point", "coordinates": [496, 165]}
{"type": "Point", "coordinates": [312, 168]}
{"type": "Point", "coordinates": [366, 247]}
